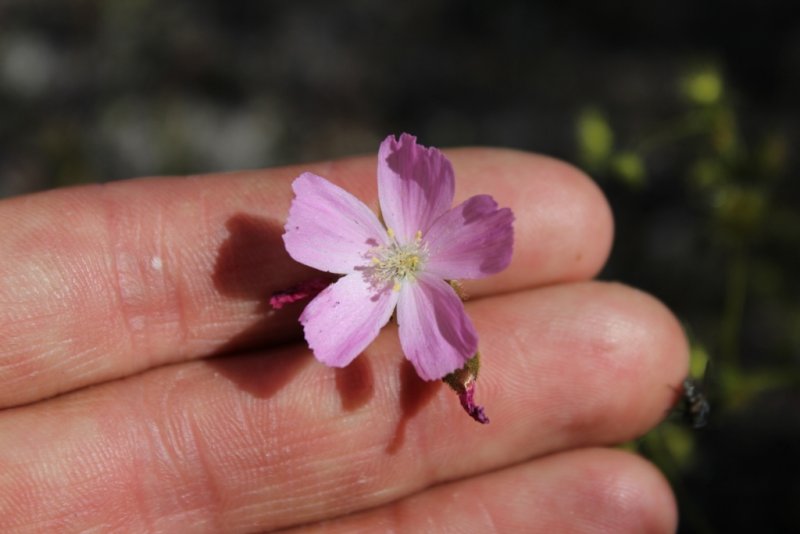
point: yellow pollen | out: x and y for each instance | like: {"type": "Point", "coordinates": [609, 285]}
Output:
{"type": "Point", "coordinates": [399, 262]}
{"type": "Point", "coordinates": [396, 287]}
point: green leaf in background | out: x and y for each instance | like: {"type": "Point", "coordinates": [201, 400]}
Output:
{"type": "Point", "coordinates": [595, 138]}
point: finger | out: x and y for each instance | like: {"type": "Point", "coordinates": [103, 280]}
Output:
{"type": "Point", "coordinates": [588, 490]}
{"type": "Point", "coordinates": [273, 440]}
{"type": "Point", "coordinates": [106, 281]}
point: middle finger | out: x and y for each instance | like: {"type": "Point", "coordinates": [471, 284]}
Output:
{"type": "Point", "coordinates": [272, 440]}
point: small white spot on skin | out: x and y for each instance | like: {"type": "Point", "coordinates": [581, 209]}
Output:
{"type": "Point", "coordinates": [156, 263]}
{"type": "Point", "coordinates": [138, 322]}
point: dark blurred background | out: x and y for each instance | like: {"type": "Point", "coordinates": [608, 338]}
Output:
{"type": "Point", "coordinates": [685, 112]}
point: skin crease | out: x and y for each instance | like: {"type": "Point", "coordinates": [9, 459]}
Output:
{"type": "Point", "coordinates": [549, 490]}
{"type": "Point", "coordinates": [130, 287]}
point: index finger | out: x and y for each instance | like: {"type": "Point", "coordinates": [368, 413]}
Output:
{"type": "Point", "coordinates": [104, 281]}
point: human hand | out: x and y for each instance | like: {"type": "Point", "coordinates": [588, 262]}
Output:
{"type": "Point", "coordinates": [116, 297]}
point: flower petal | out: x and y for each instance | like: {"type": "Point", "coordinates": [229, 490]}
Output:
{"type": "Point", "coordinates": [328, 228]}
{"type": "Point", "coordinates": [476, 411]}
{"type": "Point", "coordinates": [415, 185]}
{"type": "Point", "coordinates": [435, 332]}
{"type": "Point", "coordinates": [473, 240]}
{"type": "Point", "coordinates": [344, 319]}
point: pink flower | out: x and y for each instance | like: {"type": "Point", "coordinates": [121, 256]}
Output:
{"type": "Point", "coordinates": [404, 266]}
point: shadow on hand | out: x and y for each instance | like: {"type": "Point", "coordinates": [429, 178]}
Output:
{"type": "Point", "coordinates": [252, 264]}
{"type": "Point", "coordinates": [260, 374]}
{"type": "Point", "coordinates": [415, 394]}
{"type": "Point", "coordinates": [355, 383]}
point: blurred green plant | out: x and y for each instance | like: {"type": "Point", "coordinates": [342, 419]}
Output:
{"type": "Point", "coordinates": [703, 86]}
{"type": "Point", "coordinates": [595, 139]}
{"type": "Point", "coordinates": [730, 187]}
{"type": "Point", "coordinates": [597, 153]}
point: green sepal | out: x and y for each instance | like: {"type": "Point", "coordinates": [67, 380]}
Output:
{"type": "Point", "coordinates": [459, 379]}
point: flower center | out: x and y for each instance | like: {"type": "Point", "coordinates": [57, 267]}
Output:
{"type": "Point", "coordinates": [399, 262]}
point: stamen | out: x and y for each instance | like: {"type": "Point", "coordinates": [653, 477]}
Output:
{"type": "Point", "coordinates": [396, 262]}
